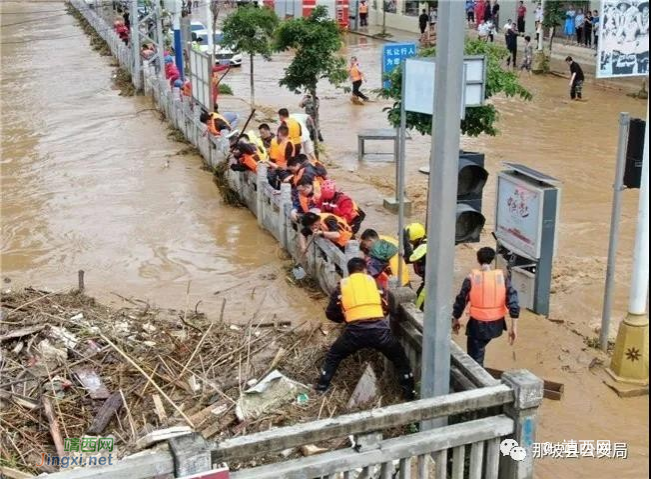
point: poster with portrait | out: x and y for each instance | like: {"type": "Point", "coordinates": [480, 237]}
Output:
{"type": "Point", "coordinates": [518, 221]}
{"type": "Point", "coordinates": [623, 31]}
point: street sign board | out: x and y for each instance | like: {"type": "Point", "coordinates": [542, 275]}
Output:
{"type": "Point", "coordinates": [419, 86]}
{"type": "Point", "coordinates": [393, 55]}
{"type": "Point", "coordinates": [200, 78]}
{"type": "Point", "coordinates": [623, 48]}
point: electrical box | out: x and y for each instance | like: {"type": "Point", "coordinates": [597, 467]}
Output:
{"type": "Point", "coordinates": [526, 215]}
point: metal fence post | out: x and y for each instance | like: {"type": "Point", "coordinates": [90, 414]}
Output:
{"type": "Point", "coordinates": [136, 77]}
{"type": "Point", "coordinates": [260, 196]}
{"type": "Point", "coordinates": [528, 390]}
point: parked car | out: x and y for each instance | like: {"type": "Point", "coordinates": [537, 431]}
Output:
{"type": "Point", "coordinates": [222, 54]}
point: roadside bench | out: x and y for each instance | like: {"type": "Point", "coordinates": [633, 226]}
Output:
{"type": "Point", "coordinates": [379, 134]}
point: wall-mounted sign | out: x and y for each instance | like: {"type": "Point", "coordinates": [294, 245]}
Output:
{"type": "Point", "coordinates": [623, 48]}
{"type": "Point", "coordinates": [420, 77]}
{"type": "Point", "coordinates": [519, 215]}
{"type": "Point", "coordinates": [200, 78]}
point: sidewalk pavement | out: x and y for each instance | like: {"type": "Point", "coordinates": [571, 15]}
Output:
{"type": "Point", "coordinates": [584, 56]}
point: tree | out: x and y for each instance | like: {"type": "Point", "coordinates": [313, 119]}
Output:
{"type": "Point", "coordinates": [479, 119]}
{"type": "Point", "coordinates": [316, 41]}
{"type": "Point", "coordinates": [251, 30]}
{"type": "Point", "coordinates": [553, 17]}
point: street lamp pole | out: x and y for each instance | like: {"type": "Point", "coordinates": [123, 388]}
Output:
{"type": "Point", "coordinates": [441, 208]}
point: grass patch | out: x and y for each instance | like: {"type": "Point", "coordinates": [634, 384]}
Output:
{"type": "Point", "coordinates": [122, 81]}
{"type": "Point", "coordinates": [230, 197]}
{"type": "Point", "coordinates": [177, 135]}
{"type": "Point", "coordinates": [225, 89]}
{"type": "Point", "coordinates": [188, 150]}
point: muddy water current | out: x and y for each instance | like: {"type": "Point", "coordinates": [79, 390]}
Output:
{"type": "Point", "coordinates": [90, 180]}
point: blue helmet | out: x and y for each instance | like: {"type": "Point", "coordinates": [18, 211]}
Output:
{"type": "Point", "coordinates": [169, 59]}
{"type": "Point", "coordinates": [178, 83]}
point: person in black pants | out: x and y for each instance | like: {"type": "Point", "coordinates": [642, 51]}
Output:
{"type": "Point", "coordinates": [491, 296]}
{"type": "Point", "coordinates": [511, 38]}
{"type": "Point", "coordinates": [357, 303]}
{"type": "Point", "coordinates": [576, 79]}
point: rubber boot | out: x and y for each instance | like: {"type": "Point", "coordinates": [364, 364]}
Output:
{"type": "Point", "coordinates": [408, 386]}
{"type": "Point", "coordinates": [324, 382]}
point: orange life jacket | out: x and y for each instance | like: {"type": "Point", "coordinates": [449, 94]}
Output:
{"type": "Point", "coordinates": [355, 74]}
{"type": "Point", "coordinates": [212, 127]}
{"type": "Point", "coordinates": [277, 152]}
{"type": "Point", "coordinates": [304, 200]}
{"type": "Point", "coordinates": [294, 128]}
{"type": "Point", "coordinates": [487, 295]}
{"type": "Point", "coordinates": [187, 89]}
{"type": "Point", "coordinates": [345, 233]}
{"type": "Point", "coordinates": [250, 162]}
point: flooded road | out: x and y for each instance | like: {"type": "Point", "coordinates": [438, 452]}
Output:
{"type": "Point", "coordinates": [90, 181]}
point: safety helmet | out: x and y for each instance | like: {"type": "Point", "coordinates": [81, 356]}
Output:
{"type": "Point", "coordinates": [328, 189]}
{"type": "Point", "coordinates": [178, 83]}
{"type": "Point", "coordinates": [169, 59]}
{"type": "Point", "coordinates": [416, 231]}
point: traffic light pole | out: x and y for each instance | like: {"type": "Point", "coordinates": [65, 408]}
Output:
{"type": "Point", "coordinates": [442, 204]}
{"type": "Point", "coordinates": [401, 176]}
{"type": "Point", "coordinates": [618, 189]}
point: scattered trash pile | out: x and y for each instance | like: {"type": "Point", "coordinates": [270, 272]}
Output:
{"type": "Point", "coordinates": [73, 368]}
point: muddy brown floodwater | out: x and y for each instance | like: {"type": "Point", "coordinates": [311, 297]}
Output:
{"type": "Point", "coordinates": [90, 181]}
{"type": "Point", "coordinates": [86, 186]}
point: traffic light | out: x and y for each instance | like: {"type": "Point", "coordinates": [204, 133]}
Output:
{"type": "Point", "coordinates": [470, 184]}
{"type": "Point", "coordinates": [634, 152]}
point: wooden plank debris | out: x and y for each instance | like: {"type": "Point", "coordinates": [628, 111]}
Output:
{"type": "Point", "coordinates": [158, 406]}
{"type": "Point", "coordinates": [162, 435]}
{"type": "Point", "coordinates": [105, 413]}
{"type": "Point", "coordinates": [55, 432]}
{"type": "Point", "coordinates": [19, 333]}
{"type": "Point", "coordinates": [552, 390]}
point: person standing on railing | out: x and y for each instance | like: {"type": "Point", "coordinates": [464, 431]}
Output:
{"type": "Point", "coordinates": [357, 303]}
{"type": "Point", "coordinates": [491, 297]}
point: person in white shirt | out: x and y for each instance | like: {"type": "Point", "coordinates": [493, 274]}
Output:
{"type": "Point", "coordinates": [482, 31]}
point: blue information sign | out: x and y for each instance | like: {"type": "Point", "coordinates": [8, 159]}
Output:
{"type": "Point", "coordinates": [392, 55]}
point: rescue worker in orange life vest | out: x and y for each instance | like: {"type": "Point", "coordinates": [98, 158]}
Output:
{"type": "Point", "coordinates": [307, 198]}
{"type": "Point", "coordinates": [415, 253]}
{"type": "Point", "coordinates": [491, 297]}
{"type": "Point", "coordinates": [245, 155]}
{"type": "Point", "coordinates": [294, 127]}
{"type": "Point", "coordinates": [280, 151]}
{"type": "Point", "coordinates": [325, 225]}
{"type": "Point", "coordinates": [266, 135]}
{"type": "Point", "coordinates": [357, 303]}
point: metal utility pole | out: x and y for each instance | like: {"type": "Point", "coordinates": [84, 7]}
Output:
{"type": "Point", "coordinates": [400, 160]}
{"type": "Point", "coordinates": [441, 208]}
{"type": "Point", "coordinates": [160, 41]}
{"type": "Point", "coordinates": [136, 75]}
{"type": "Point", "coordinates": [630, 362]}
{"type": "Point", "coordinates": [178, 44]}
{"type": "Point", "coordinates": [618, 188]}
{"type": "Point", "coordinates": [640, 280]}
